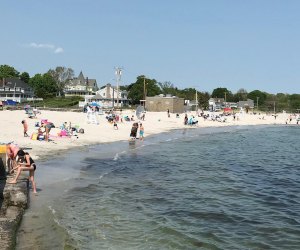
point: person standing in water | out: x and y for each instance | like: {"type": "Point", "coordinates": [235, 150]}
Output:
{"type": "Point", "coordinates": [141, 132]}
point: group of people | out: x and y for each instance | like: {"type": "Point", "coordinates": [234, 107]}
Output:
{"type": "Point", "coordinates": [135, 127]}
{"type": "Point", "coordinates": [190, 121]}
{"type": "Point", "coordinates": [43, 129]}
{"type": "Point", "coordinates": [19, 160]}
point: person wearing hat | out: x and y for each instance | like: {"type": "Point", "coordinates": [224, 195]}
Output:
{"type": "Point", "coordinates": [25, 163]}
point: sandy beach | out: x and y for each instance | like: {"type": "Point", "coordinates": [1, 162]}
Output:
{"type": "Point", "coordinates": [154, 123]}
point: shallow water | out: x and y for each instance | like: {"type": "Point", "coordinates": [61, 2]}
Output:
{"type": "Point", "coordinates": [221, 188]}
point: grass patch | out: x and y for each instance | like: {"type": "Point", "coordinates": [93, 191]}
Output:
{"type": "Point", "coordinates": [58, 102]}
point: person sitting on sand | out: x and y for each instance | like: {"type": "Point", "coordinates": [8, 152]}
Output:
{"type": "Point", "coordinates": [25, 163]}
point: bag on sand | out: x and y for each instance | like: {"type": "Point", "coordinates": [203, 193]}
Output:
{"type": "Point", "coordinates": [81, 131]}
{"type": "Point", "coordinates": [34, 136]}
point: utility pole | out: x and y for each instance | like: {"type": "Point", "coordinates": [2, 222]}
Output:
{"type": "Point", "coordinates": [274, 108]}
{"type": "Point", "coordinates": [113, 99]}
{"type": "Point", "coordinates": [144, 91]}
{"type": "Point", "coordinates": [225, 95]}
{"type": "Point", "coordinates": [196, 100]}
{"type": "Point", "coordinates": [257, 102]}
{"type": "Point", "coordinates": [118, 72]}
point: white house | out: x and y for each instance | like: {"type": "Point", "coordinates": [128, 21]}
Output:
{"type": "Point", "coordinates": [111, 95]}
{"type": "Point", "coordinates": [107, 97]}
{"type": "Point", "coordinates": [81, 86]}
{"type": "Point", "coordinates": [15, 89]}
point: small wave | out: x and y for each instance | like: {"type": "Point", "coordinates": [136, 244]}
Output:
{"type": "Point", "coordinates": [52, 209]}
{"type": "Point", "coordinates": [116, 157]}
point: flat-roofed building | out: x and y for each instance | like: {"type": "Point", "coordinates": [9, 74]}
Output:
{"type": "Point", "coordinates": [163, 103]}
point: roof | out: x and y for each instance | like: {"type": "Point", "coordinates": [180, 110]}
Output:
{"type": "Point", "coordinates": [81, 77]}
{"type": "Point", "coordinates": [14, 82]}
{"type": "Point", "coordinates": [97, 96]}
{"type": "Point", "coordinates": [81, 80]}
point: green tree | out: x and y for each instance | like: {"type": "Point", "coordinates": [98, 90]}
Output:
{"type": "Point", "coordinates": [136, 90]}
{"type": "Point", "coordinates": [167, 88]}
{"type": "Point", "coordinates": [44, 85]}
{"type": "Point", "coordinates": [241, 95]}
{"type": "Point", "coordinates": [61, 75]}
{"type": "Point", "coordinates": [7, 71]}
{"type": "Point", "coordinates": [187, 94]}
{"type": "Point", "coordinates": [257, 95]}
{"type": "Point", "coordinates": [25, 77]}
{"type": "Point", "coordinates": [203, 98]}
{"type": "Point", "coordinates": [221, 93]}
{"type": "Point", "coordinates": [294, 101]}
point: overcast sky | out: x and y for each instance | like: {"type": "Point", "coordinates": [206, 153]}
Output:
{"type": "Point", "coordinates": [191, 43]}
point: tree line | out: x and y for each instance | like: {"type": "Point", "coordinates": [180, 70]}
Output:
{"type": "Point", "coordinates": [263, 101]}
{"type": "Point", "coordinates": [52, 83]}
{"type": "Point", "coordinates": [46, 85]}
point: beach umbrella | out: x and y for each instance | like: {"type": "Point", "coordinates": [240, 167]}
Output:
{"type": "Point", "coordinates": [94, 104]}
{"type": "Point", "coordinates": [139, 110]}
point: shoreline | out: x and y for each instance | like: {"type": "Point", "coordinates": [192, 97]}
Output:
{"type": "Point", "coordinates": [155, 123]}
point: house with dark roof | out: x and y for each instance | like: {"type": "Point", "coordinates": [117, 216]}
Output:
{"type": "Point", "coordinates": [249, 104]}
{"type": "Point", "coordinates": [15, 89]}
{"type": "Point", "coordinates": [81, 86]}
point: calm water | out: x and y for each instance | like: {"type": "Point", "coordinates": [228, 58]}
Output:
{"type": "Point", "coordinates": [225, 188]}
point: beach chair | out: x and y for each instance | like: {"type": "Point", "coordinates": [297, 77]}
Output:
{"type": "Point", "coordinates": [31, 114]}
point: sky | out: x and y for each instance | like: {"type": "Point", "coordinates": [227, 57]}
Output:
{"type": "Point", "coordinates": [190, 43]}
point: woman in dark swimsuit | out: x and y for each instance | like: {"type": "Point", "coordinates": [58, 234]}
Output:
{"type": "Point", "coordinates": [25, 163]}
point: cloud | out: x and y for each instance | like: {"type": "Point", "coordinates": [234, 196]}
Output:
{"type": "Point", "coordinates": [49, 46]}
{"type": "Point", "coordinates": [58, 50]}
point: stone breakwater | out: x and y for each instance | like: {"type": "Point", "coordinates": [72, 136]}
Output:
{"type": "Point", "coordinates": [13, 202]}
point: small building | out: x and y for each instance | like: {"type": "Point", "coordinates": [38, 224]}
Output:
{"type": "Point", "coordinates": [163, 103]}
{"type": "Point", "coordinates": [216, 104]}
{"type": "Point", "coordinates": [15, 89]}
{"type": "Point", "coordinates": [249, 104]}
{"type": "Point", "coordinates": [81, 86]}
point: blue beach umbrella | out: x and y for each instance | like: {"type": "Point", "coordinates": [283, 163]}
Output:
{"type": "Point", "coordinates": [94, 104]}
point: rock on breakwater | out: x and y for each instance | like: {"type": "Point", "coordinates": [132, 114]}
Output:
{"type": "Point", "coordinates": [13, 202]}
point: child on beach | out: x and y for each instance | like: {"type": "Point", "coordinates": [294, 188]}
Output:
{"type": "Point", "coordinates": [25, 127]}
{"type": "Point", "coordinates": [115, 125]}
{"type": "Point", "coordinates": [25, 163]}
{"type": "Point", "coordinates": [141, 132]}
